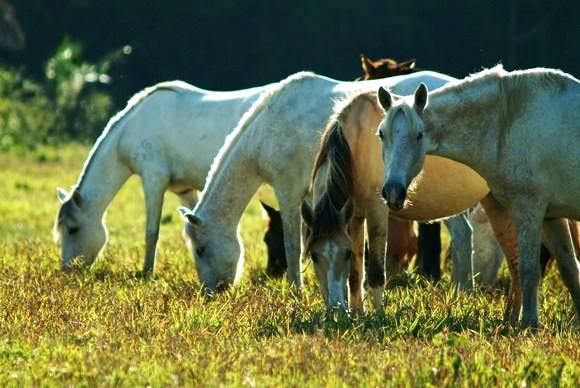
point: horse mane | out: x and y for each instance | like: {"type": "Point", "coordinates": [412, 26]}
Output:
{"type": "Point", "coordinates": [512, 82]}
{"type": "Point", "coordinates": [134, 101]}
{"type": "Point", "coordinates": [248, 118]}
{"type": "Point", "coordinates": [514, 89]}
{"type": "Point", "coordinates": [335, 150]}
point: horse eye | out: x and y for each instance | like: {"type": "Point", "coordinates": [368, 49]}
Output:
{"type": "Point", "coordinates": [200, 251]}
{"type": "Point", "coordinates": [420, 136]}
{"type": "Point", "coordinates": [314, 257]}
{"type": "Point", "coordinates": [73, 230]}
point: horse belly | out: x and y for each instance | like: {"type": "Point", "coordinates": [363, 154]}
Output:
{"type": "Point", "coordinates": [444, 188]}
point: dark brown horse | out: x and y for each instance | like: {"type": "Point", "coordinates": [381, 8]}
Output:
{"type": "Point", "coordinates": [385, 67]}
{"type": "Point", "coordinates": [274, 239]}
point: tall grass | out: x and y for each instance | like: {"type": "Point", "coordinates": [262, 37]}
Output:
{"type": "Point", "coordinates": [109, 326]}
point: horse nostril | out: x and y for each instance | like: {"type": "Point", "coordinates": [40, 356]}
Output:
{"type": "Point", "coordinates": [385, 192]}
{"type": "Point", "coordinates": [395, 194]}
{"type": "Point", "coordinates": [402, 194]}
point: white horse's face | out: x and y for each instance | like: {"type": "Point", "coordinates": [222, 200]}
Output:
{"type": "Point", "coordinates": [82, 236]}
{"type": "Point", "coordinates": [404, 144]}
{"type": "Point", "coordinates": [217, 253]}
{"type": "Point", "coordinates": [331, 255]}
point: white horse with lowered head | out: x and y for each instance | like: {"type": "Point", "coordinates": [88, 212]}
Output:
{"type": "Point", "coordinates": [521, 132]}
{"type": "Point", "coordinates": [167, 134]}
{"type": "Point", "coordinates": [274, 143]}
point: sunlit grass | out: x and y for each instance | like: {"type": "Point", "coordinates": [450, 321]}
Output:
{"type": "Point", "coordinates": [110, 326]}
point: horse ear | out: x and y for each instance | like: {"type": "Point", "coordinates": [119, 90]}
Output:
{"type": "Point", "coordinates": [347, 211]}
{"type": "Point", "coordinates": [61, 194]}
{"type": "Point", "coordinates": [188, 216]}
{"type": "Point", "coordinates": [272, 213]}
{"type": "Point", "coordinates": [410, 64]}
{"type": "Point", "coordinates": [366, 64]}
{"type": "Point", "coordinates": [385, 98]}
{"type": "Point", "coordinates": [307, 213]}
{"type": "Point", "coordinates": [76, 198]}
{"type": "Point", "coordinates": [421, 97]}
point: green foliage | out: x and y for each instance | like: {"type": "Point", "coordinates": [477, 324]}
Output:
{"type": "Point", "coordinates": [81, 108]}
{"type": "Point", "coordinates": [26, 113]}
{"type": "Point", "coordinates": [110, 326]}
{"type": "Point", "coordinates": [69, 104]}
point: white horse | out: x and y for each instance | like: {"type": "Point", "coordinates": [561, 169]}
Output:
{"type": "Point", "coordinates": [167, 134]}
{"type": "Point", "coordinates": [274, 143]}
{"type": "Point", "coordinates": [520, 131]}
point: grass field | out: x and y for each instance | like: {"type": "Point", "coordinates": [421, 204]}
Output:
{"type": "Point", "coordinates": [111, 327]}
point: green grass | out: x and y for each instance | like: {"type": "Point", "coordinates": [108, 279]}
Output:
{"type": "Point", "coordinates": [111, 327]}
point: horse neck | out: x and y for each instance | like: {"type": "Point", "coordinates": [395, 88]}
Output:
{"type": "Point", "coordinates": [102, 176]}
{"type": "Point", "coordinates": [229, 188]}
{"type": "Point", "coordinates": [359, 129]}
{"type": "Point", "coordinates": [460, 124]}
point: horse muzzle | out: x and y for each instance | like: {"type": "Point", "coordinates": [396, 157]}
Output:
{"type": "Point", "coordinates": [395, 194]}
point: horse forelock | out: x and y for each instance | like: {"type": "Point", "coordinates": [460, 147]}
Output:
{"type": "Point", "coordinates": [409, 114]}
{"type": "Point", "coordinates": [326, 221]}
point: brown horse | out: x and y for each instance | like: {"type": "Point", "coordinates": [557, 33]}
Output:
{"type": "Point", "coordinates": [274, 239]}
{"type": "Point", "coordinates": [385, 67]}
{"type": "Point", "coordinates": [402, 238]}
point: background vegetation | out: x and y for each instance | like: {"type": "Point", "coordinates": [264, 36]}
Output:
{"type": "Point", "coordinates": [77, 61]}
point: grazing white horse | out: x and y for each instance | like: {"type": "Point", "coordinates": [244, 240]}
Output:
{"type": "Point", "coordinates": [167, 134]}
{"type": "Point", "coordinates": [521, 132]}
{"type": "Point", "coordinates": [274, 143]}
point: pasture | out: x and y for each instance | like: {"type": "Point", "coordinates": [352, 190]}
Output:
{"type": "Point", "coordinates": [110, 326]}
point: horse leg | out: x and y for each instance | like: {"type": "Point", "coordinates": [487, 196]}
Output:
{"type": "Point", "coordinates": [559, 240]}
{"type": "Point", "coordinates": [154, 189]}
{"type": "Point", "coordinates": [356, 276]}
{"type": "Point", "coordinates": [429, 250]}
{"type": "Point", "coordinates": [504, 229]}
{"type": "Point", "coordinates": [401, 245]}
{"type": "Point", "coordinates": [528, 215]}
{"type": "Point", "coordinates": [291, 224]}
{"type": "Point", "coordinates": [462, 250]}
{"type": "Point", "coordinates": [575, 232]}
{"type": "Point", "coordinates": [545, 259]}
{"type": "Point", "coordinates": [377, 231]}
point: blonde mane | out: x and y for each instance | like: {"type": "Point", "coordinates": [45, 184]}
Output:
{"type": "Point", "coordinates": [335, 150]}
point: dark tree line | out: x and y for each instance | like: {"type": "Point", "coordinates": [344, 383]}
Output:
{"type": "Point", "coordinates": [229, 44]}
